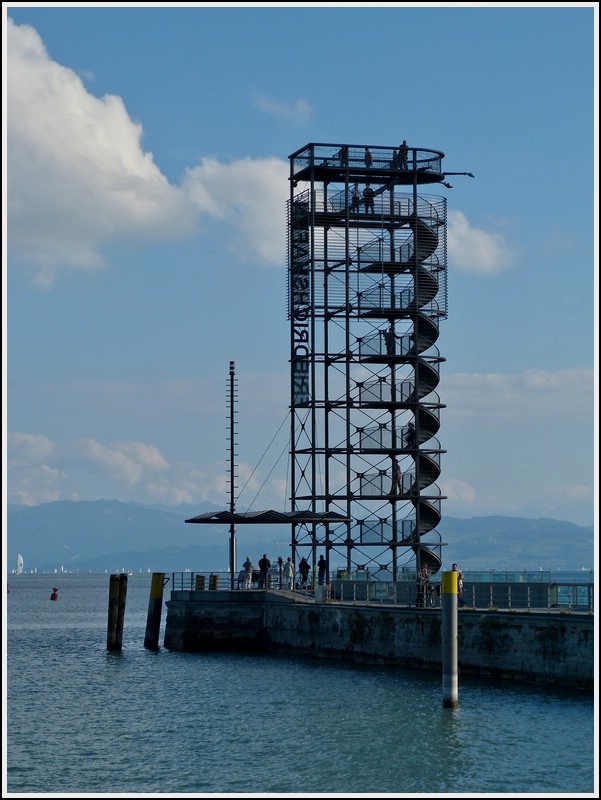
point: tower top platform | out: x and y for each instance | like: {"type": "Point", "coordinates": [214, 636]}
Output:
{"type": "Point", "coordinates": [322, 162]}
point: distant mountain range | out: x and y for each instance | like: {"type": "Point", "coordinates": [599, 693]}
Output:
{"type": "Point", "coordinates": [111, 535]}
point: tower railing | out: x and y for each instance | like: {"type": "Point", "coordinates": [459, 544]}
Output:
{"type": "Point", "coordinates": [352, 157]}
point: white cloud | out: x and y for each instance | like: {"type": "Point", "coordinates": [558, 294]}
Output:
{"type": "Point", "coordinates": [145, 455]}
{"type": "Point", "coordinates": [121, 461]}
{"type": "Point", "coordinates": [43, 471]}
{"type": "Point", "coordinates": [189, 483]}
{"type": "Point", "coordinates": [39, 484]}
{"type": "Point", "coordinates": [186, 483]}
{"type": "Point", "coordinates": [474, 250]}
{"type": "Point", "coordinates": [29, 456]}
{"type": "Point", "coordinates": [248, 196]}
{"type": "Point", "coordinates": [458, 491]}
{"type": "Point", "coordinates": [519, 444]}
{"type": "Point", "coordinates": [79, 180]}
{"type": "Point", "coordinates": [501, 395]}
{"type": "Point", "coordinates": [77, 175]}
{"type": "Point", "coordinates": [26, 448]}
{"type": "Point", "coordinates": [298, 112]}
{"type": "Point", "coordinates": [577, 492]}
{"type": "Point", "coordinates": [518, 419]}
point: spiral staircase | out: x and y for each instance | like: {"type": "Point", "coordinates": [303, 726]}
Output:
{"type": "Point", "coordinates": [364, 332]}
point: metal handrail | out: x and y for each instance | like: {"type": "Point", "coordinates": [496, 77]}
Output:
{"type": "Point", "coordinates": [361, 586]}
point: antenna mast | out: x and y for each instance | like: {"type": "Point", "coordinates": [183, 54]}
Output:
{"type": "Point", "coordinates": [232, 395]}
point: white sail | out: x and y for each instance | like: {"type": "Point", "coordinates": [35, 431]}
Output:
{"type": "Point", "coordinates": [19, 568]}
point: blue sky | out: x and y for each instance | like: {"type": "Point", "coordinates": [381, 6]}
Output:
{"type": "Point", "coordinates": [147, 150]}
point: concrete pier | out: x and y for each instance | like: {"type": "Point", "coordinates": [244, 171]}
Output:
{"type": "Point", "coordinates": [547, 647]}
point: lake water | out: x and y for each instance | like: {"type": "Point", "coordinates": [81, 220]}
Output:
{"type": "Point", "coordinates": [83, 720]}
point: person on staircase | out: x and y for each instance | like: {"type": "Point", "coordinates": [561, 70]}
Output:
{"type": "Point", "coordinates": [397, 478]}
{"type": "Point", "coordinates": [389, 340]}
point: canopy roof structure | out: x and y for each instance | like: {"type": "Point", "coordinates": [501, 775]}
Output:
{"type": "Point", "coordinates": [267, 517]}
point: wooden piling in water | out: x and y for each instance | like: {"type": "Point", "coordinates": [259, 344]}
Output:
{"type": "Point", "coordinates": [116, 617]}
{"type": "Point", "coordinates": [155, 605]}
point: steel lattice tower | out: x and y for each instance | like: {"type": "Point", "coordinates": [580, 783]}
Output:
{"type": "Point", "coordinates": [367, 289]}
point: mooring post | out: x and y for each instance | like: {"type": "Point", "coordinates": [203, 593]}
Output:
{"type": "Point", "coordinates": [155, 605]}
{"type": "Point", "coordinates": [113, 639]}
{"type": "Point", "coordinates": [122, 599]}
{"type": "Point", "coordinates": [450, 683]}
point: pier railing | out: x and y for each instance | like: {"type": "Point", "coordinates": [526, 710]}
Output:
{"type": "Point", "coordinates": [503, 591]}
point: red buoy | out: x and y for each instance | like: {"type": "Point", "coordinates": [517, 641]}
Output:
{"type": "Point", "coordinates": [54, 595]}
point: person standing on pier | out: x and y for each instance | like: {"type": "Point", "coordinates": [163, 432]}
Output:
{"type": "Point", "coordinates": [303, 569]}
{"type": "Point", "coordinates": [264, 565]}
{"type": "Point", "coordinates": [289, 574]}
{"type": "Point", "coordinates": [422, 584]}
{"type": "Point", "coordinates": [248, 573]}
{"type": "Point", "coordinates": [455, 568]}
{"type": "Point", "coordinates": [322, 568]}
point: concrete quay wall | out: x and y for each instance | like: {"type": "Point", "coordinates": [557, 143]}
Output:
{"type": "Point", "coordinates": [536, 647]}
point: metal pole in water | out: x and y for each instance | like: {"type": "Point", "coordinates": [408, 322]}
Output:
{"type": "Point", "coordinates": [112, 642]}
{"type": "Point", "coordinates": [155, 604]}
{"type": "Point", "coordinates": [450, 681]}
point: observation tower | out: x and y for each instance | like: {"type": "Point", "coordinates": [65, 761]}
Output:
{"type": "Point", "coordinates": [366, 292]}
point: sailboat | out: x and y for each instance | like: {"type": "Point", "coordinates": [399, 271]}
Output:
{"type": "Point", "coordinates": [19, 568]}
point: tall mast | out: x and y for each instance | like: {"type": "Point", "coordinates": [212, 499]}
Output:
{"type": "Point", "coordinates": [232, 397]}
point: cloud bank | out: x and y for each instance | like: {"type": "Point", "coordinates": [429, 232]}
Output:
{"type": "Point", "coordinates": [298, 112]}
{"type": "Point", "coordinates": [77, 175]}
{"type": "Point", "coordinates": [475, 251]}
{"type": "Point", "coordinates": [42, 470]}
{"type": "Point", "coordinates": [79, 181]}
